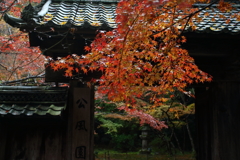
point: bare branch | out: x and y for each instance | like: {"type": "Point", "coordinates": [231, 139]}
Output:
{"type": "Point", "coordinates": [41, 75]}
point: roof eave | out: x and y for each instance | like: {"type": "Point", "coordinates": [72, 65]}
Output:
{"type": "Point", "coordinates": [13, 21]}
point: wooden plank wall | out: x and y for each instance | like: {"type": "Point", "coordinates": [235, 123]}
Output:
{"type": "Point", "coordinates": [3, 138]}
{"type": "Point", "coordinates": [218, 121]}
{"type": "Point", "coordinates": [33, 142]}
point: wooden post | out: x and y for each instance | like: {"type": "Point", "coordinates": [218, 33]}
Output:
{"type": "Point", "coordinates": [218, 121]}
{"type": "Point", "coordinates": [3, 140]}
{"type": "Point", "coordinates": [81, 120]}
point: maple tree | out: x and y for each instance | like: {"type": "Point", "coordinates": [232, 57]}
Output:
{"type": "Point", "coordinates": [14, 6]}
{"type": "Point", "coordinates": [144, 50]}
{"type": "Point", "coordinates": [143, 54]}
{"type": "Point", "coordinates": [17, 59]}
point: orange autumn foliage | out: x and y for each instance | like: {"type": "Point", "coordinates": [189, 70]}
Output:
{"type": "Point", "coordinates": [15, 6]}
{"type": "Point", "coordinates": [144, 52]}
{"type": "Point", "coordinates": [17, 59]}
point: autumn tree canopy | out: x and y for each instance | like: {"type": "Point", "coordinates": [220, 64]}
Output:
{"type": "Point", "coordinates": [143, 54]}
{"type": "Point", "coordinates": [17, 59]}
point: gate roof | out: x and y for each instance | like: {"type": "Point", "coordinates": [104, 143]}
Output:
{"type": "Point", "coordinates": [100, 14]}
{"type": "Point", "coordinates": [25, 101]}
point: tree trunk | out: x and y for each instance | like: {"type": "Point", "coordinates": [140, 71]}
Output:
{"type": "Point", "coordinates": [190, 137]}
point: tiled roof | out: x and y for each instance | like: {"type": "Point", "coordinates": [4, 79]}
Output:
{"type": "Point", "coordinates": [80, 14]}
{"type": "Point", "coordinates": [100, 14]}
{"type": "Point", "coordinates": [217, 22]}
{"type": "Point", "coordinates": [96, 14]}
{"type": "Point", "coordinates": [32, 101]}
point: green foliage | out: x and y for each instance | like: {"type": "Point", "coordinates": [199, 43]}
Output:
{"type": "Point", "coordinates": [124, 133]}
{"type": "Point", "coordinates": [127, 139]}
{"type": "Point", "coordinates": [175, 138]}
{"type": "Point", "coordinates": [106, 106]}
{"type": "Point", "coordinates": [108, 124]}
{"type": "Point", "coordinates": [121, 129]}
{"type": "Point", "coordinates": [123, 142]}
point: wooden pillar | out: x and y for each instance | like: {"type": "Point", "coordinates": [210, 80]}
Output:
{"type": "Point", "coordinates": [3, 131]}
{"type": "Point", "coordinates": [218, 121]}
{"type": "Point", "coordinates": [81, 120]}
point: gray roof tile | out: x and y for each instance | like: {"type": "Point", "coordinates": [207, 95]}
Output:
{"type": "Point", "coordinates": [80, 14]}
{"type": "Point", "coordinates": [32, 101]}
{"type": "Point", "coordinates": [90, 14]}
{"type": "Point", "coordinates": [100, 14]}
{"type": "Point", "coordinates": [218, 24]}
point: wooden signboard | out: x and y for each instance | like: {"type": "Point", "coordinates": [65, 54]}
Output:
{"type": "Point", "coordinates": [82, 123]}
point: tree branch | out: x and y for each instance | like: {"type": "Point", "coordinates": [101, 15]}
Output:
{"type": "Point", "coordinates": [1, 65]}
{"type": "Point", "coordinates": [188, 17]}
{"type": "Point", "coordinates": [41, 75]}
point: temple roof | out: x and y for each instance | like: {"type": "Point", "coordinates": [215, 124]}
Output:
{"type": "Point", "coordinates": [100, 14]}
{"type": "Point", "coordinates": [82, 14]}
{"type": "Point", "coordinates": [214, 21]}
{"type": "Point", "coordinates": [24, 101]}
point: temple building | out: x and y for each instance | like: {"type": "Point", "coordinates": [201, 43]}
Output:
{"type": "Point", "coordinates": [64, 27]}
